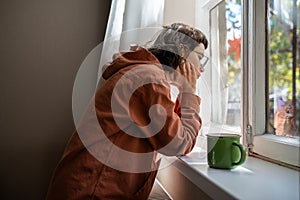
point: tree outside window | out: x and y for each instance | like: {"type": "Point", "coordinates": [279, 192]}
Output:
{"type": "Point", "coordinates": [284, 67]}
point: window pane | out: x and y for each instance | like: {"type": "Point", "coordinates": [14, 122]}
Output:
{"type": "Point", "coordinates": [225, 29]}
{"type": "Point", "coordinates": [284, 73]}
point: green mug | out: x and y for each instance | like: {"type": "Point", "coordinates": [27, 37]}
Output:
{"type": "Point", "coordinates": [224, 150]}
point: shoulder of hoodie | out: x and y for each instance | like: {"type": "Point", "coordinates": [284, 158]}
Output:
{"type": "Point", "coordinates": [149, 70]}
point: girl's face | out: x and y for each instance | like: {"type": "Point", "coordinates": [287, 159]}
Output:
{"type": "Point", "coordinates": [195, 56]}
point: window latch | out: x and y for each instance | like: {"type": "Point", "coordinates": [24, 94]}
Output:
{"type": "Point", "coordinates": [249, 138]}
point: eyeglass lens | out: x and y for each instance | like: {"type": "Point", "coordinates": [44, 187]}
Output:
{"type": "Point", "coordinates": [203, 60]}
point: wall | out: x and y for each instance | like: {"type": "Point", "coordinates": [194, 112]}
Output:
{"type": "Point", "coordinates": [42, 44]}
{"type": "Point", "coordinates": [178, 185]}
{"type": "Point", "coordinates": [179, 11]}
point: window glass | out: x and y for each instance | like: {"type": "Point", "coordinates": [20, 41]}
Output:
{"type": "Point", "coordinates": [225, 60]}
{"type": "Point", "coordinates": [284, 67]}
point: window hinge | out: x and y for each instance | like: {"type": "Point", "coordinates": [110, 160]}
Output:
{"type": "Point", "coordinates": [249, 136]}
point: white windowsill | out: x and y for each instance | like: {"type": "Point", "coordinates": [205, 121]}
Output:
{"type": "Point", "coordinates": [270, 145]}
{"type": "Point", "coordinates": [255, 179]}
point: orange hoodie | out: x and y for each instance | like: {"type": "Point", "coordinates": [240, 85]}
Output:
{"type": "Point", "coordinates": [113, 154]}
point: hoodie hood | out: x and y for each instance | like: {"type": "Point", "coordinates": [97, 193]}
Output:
{"type": "Point", "coordinates": [123, 60]}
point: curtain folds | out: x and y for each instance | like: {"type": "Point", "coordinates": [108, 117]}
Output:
{"type": "Point", "coordinates": [130, 21]}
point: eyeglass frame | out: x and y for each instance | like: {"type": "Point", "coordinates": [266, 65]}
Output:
{"type": "Point", "coordinates": [206, 58]}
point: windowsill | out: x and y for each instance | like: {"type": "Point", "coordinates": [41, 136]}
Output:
{"type": "Point", "coordinates": [255, 179]}
{"type": "Point", "coordinates": [269, 145]}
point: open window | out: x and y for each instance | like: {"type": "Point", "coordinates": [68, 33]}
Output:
{"type": "Point", "coordinates": [221, 106]}
{"type": "Point", "coordinates": [273, 69]}
{"type": "Point", "coordinates": [254, 74]}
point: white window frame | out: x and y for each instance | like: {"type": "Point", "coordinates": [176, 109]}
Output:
{"type": "Point", "coordinates": [254, 120]}
{"type": "Point", "coordinates": [260, 142]}
{"type": "Point", "coordinates": [203, 21]}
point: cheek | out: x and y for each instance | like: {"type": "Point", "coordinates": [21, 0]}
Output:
{"type": "Point", "coordinates": [194, 60]}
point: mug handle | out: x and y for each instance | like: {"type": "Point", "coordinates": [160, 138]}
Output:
{"type": "Point", "coordinates": [243, 153]}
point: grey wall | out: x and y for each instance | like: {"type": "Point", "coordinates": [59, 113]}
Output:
{"type": "Point", "coordinates": [42, 44]}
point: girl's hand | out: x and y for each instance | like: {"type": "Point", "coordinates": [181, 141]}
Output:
{"type": "Point", "coordinates": [191, 75]}
{"type": "Point", "coordinates": [184, 78]}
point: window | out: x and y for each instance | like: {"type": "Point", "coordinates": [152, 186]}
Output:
{"type": "Point", "coordinates": [224, 76]}
{"type": "Point", "coordinates": [272, 69]}
{"type": "Point", "coordinates": [283, 59]}
{"type": "Point", "coordinates": [248, 90]}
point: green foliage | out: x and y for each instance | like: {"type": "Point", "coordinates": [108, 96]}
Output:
{"type": "Point", "coordinates": [281, 57]}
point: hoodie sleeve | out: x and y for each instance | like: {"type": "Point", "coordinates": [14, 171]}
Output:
{"type": "Point", "coordinates": [178, 125]}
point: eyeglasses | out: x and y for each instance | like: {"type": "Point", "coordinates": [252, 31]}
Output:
{"type": "Point", "coordinates": [204, 59]}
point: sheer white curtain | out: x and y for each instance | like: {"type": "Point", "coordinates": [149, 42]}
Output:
{"type": "Point", "coordinates": [129, 22]}
{"type": "Point", "coordinates": [132, 14]}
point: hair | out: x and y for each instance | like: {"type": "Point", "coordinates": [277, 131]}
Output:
{"type": "Point", "coordinates": [169, 42]}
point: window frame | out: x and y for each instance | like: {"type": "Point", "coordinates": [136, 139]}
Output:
{"type": "Point", "coordinates": [255, 94]}
{"type": "Point", "coordinates": [254, 107]}
{"type": "Point", "coordinates": [203, 11]}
